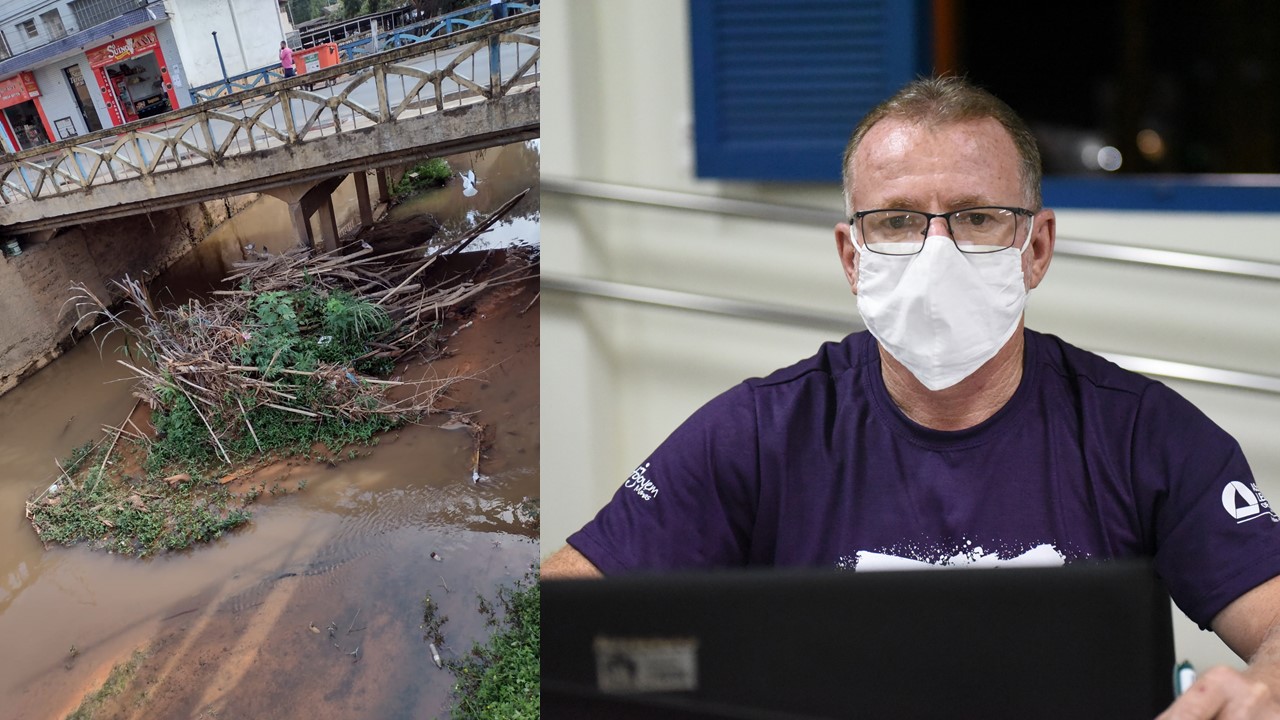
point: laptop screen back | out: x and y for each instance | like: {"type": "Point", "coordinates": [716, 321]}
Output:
{"type": "Point", "coordinates": [1086, 640]}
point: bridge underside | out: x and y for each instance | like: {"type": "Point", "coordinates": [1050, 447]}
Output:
{"type": "Point", "coordinates": [511, 118]}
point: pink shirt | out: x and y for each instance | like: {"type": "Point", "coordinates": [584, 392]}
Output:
{"type": "Point", "coordinates": [286, 58]}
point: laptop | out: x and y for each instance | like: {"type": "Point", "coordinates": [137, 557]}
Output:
{"type": "Point", "coordinates": [1085, 640]}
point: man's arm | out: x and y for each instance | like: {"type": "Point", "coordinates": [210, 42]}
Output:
{"type": "Point", "coordinates": [567, 563]}
{"type": "Point", "coordinates": [1251, 627]}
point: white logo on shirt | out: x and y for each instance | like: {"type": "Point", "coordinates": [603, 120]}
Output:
{"type": "Point", "coordinates": [1246, 502]}
{"type": "Point", "coordinates": [641, 484]}
{"type": "Point", "coordinates": [1044, 555]}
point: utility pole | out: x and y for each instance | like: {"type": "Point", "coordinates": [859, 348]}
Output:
{"type": "Point", "coordinates": [226, 81]}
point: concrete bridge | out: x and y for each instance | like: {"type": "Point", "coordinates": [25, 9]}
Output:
{"type": "Point", "coordinates": [293, 139]}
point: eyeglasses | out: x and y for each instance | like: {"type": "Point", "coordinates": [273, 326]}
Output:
{"type": "Point", "coordinates": [974, 230]}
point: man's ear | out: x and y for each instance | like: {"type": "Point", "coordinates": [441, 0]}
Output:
{"type": "Point", "coordinates": [1039, 249]}
{"type": "Point", "coordinates": [848, 256]}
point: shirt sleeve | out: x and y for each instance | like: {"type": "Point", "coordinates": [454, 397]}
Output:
{"type": "Point", "coordinates": [691, 504]}
{"type": "Point", "coordinates": [1217, 537]}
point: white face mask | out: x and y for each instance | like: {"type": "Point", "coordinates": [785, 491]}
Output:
{"type": "Point", "coordinates": [940, 312]}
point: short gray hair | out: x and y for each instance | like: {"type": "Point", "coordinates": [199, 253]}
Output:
{"type": "Point", "coordinates": [945, 100]}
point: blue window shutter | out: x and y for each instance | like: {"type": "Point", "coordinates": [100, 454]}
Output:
{"type": "Point", "coordinates": [779, 84]}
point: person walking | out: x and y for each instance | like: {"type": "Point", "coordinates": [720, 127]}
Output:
{"type": "Point", "coordinates": [286, 60]}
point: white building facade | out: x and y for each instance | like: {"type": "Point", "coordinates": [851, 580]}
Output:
{"type": "Point", "coordinates": [71, 67]}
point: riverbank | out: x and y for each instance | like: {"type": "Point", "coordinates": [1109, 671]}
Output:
{"type": "Point", "coordinates": [291, 362]}
{"type": "Point", "coordinates": [288, 634]}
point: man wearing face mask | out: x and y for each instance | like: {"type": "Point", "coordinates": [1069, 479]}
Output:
{"type": "Point", "coordinates": [949, 434]}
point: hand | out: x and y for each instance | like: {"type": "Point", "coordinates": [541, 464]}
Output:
{"type": "Point", "coordinates": [1224, 692]}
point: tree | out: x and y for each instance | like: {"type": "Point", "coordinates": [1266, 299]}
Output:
{"type": "Point", "coordinates": [435, 8]}
{"type": "Point", "coordinates": [301, 11]}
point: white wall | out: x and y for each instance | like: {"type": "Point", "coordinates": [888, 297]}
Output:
{"type": "Point", "coordinates": [174, 61]}
{"type": "Point", "coordinates": [249, 34]}
{"type": "Point", "coordinates": [13, 13]}
{"type": "Point", "coordinates": [58, 98]}
{"type": "Point", "coordinates": [617, 377]}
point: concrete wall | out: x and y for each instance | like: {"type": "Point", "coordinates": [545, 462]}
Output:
{"type": "Point", "coordinates": [175, 61]}
{"type": "Point", "coordinates": [17, 12]}
{"type": "Point", "coordinates": [249, 34]}
{"type": "Point", "coordinates": [34, 286]}
{"type": "Point", "coordinates": [617, 108]}
{"type": "Point", "coordinates": [57, 98]}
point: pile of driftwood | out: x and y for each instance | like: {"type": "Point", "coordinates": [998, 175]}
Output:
{"type": "Point", "coordinates": [193, 351]}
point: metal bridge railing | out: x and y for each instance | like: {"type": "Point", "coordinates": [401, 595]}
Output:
{"type": "Point", "coordinates": [393, 38]}
{"type": "Point", "coordinates": [462, 19]}
{"type": "Point", "coordinates": [472, 66]}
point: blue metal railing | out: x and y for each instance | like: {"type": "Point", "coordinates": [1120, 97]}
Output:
{"type": "Point", "coordinates": [467, 17]}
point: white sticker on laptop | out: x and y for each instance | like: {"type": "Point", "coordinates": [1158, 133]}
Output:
{"type": "Point", "coordinates": [627, 665]}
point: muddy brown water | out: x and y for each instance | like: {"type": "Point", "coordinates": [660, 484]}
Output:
{"type": "Point", "coordinates": [227, 626]}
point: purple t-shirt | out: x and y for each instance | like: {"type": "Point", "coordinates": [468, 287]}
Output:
{"type": "Point", "coordinates": [815, 466]}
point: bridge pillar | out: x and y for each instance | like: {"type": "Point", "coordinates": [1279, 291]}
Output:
{"type": "Point", "coordinates": [306, 199]}
{"type": "Point", "coordinates": [384, 189]}
{"type": "Point", "coordinates": [301, 228]}
{"type": "Point", "coordinates": [294, 196]}
{"type": "Point", "coordinates": [361, 180]}
{"type": "Point", "coordinates": [328, 224]}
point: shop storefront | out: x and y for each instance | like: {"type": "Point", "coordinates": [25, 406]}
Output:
{"type": "Point", "coordinates": [133, 77]}
{"type": "Point", "coordinates": [21, 114]}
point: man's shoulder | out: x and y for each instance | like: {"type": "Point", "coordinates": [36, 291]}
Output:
{"type": "Point", "coordinates": [1082, 367]}
{"type": "Point", "coordinates": [833, 359]}
{"type": "Point", "coordinates": [1114, 398]}
{"type": "Point", "coordinates": [797, 388]}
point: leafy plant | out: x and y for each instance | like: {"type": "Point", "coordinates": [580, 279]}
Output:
{"type": "Point", "coordinates": [182, 440]}
{"type": "Point", "coordinates": [353, 320]}
{"type": "Point", "coordinates": [275, 340]}
{"type": "Point", "coordinates": [500, 678]}
{"type": "Point", "coordinates": [132, 516]}
{"type": "Point", "coordinates": [432, 173]}
{"type": "Point", "coordinates": [77, 456]}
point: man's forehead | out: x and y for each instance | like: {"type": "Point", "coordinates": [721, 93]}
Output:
{"type": "Point", "coordinates": [896, 136]}
{"type": "Point", "coordinates": [917, 165]}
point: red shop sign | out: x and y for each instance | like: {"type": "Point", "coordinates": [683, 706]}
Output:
{"type": "Point", "coordinates": [19, 88]}
{"type": "Point", "coordinates": [118, 50]}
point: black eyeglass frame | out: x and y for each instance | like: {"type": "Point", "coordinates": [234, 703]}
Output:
{"type": "Point", "coordinates": [856, 221]}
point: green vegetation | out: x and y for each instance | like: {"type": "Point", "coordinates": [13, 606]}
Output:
{"type": "Point", "coordinates": [304, 10]}
{"type": "Point", "coordinates": [305, 344]}
{"type": "Point", "coordinates": [300, 331]}
{"type": "Point", "coordinates": [187, 447]}
{"type": "Point", "coordinates": [303, 328]}
{"type": "Point", "coordinates": [500, 678]}
{"type": "Point", "coordinates": [291, 363]}
{"type": "Point", "coordinates": [432, 621]}
{"type": "Point", "coordinates": [432, 173]}
{"type": "Point", "coordinates": [78, 455]}
{"type": "Point", "coordinates": [130, 516]}
{"type": "Point", "coordinates": [117, 680]}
